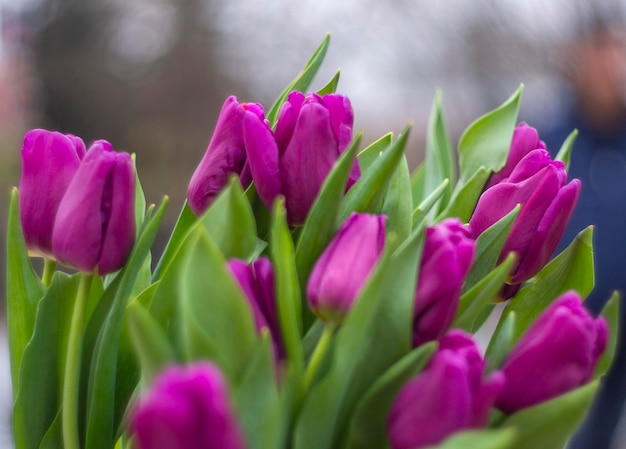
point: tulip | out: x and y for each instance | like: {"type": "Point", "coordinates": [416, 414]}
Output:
{"type": "Point", "coordinates": [49, 162]}
{"type": "Point", "coordinates": [557, 353]}
{"type": "Point", "coordinates": [525, 139]}
{"type": "Point", "coordinates": [95, 223]}
{"type": "Point", "coordinates": [547, 201]}
{"type": "Point", "coordinates": [448, 396]}
{"type": "Point", "coordinates": [343, 268]}
{"type": "Point", "coordinates": [311, 133]}
{"type": "Point", "coordinates": [446, 260]}
{"type": "Point", "coordinates": [225, 155]}
{"type": "Point", "coordinates": [257, 282]}
{"type": "Point", "coordinates": [187, 408]}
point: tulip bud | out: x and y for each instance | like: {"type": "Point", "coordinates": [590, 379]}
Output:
{"type": "Point", "coordinates": [95, 222]}
{"type": "Point", "coordinates": [538, 184]}
{"type": "Point", "coordinates": [187, 408]}
{"type": "Point", "coordinates": [49, 162]}
{"type": "Point", "coordinates": [557, 353]}
{"type": "Point", "coordinates": [311, 133]}
{"type": "Point", "coordinates": [446, 260]}
{"type": "Point", "coordinates": [257, 282]}
{"type": "Point", "coordinates": [345, 265]}
{"type": "Point", "coordinates": [448, 396]}
{"type": "Point", "coordinates": [525, 139]}
{"type": "Point", "coordinates": [225, 155]}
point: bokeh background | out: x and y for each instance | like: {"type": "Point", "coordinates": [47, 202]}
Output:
{"type": "Point", "coordinates": [150, 75]}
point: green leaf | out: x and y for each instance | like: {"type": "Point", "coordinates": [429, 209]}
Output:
{"type": "Point", "coordinates": [550, 424]}
{"type": "Point", "coordinates": [107, 395]}
{"type": "Point", "coordinates": [398, 204]}
{"type": "Point", "coordinates": [439, 155]}
{"type": "Point", "coordinates": [39, 397]}
{"type": "Point", "coordinates": [479, 297]}
{"type": "Point", "coordinates": [321, 222]}
{"type": "Point", "coordinates": [369, 154]}
{"type": "Point", "coordinates": [501, 343]}
{"type": "Point", "coordinates": [570, 270]}
{"type": "Point", "coordinates": [368, 426]}
{"type": "Point", "coordinates": [213, 305]}
{"type": "Point", "coordinates": [53, 439]}
{"type": "Point", "coordinates": [230, 222]}
{"type": "Point", "coordinates": [425, 206]}
{"type": "Point", "coordinates": [565, 151]}
{"type": "Point", "coordinates": [466, 196]}
{"type": "Point", "coordinates": [140, 198]}
{"type": "Point", "coordinates": [331, 87]}
{"type": "Point", "coordinates": [485, 143]}
{"type": "Point", "coordinates": [488, 248]}
{"type": "Point", "coordinates": [611, 314]}
{"type": "Point", "coordinates": [186, 220]}
{"type": "Point", "coordinates": [150, 342]}
{"type": "Point", "coordinates": [479, 439]}
{"type": "Point", "coordinates": [24, 290]}
{"type": "Point", "coordinates": [302, 81]}
{"type": "Point", "coordinates": [418, 180]}
{"type": "Point", "coordinates": [288, 298]}
{"type": "Point", "coordinates": [256, 399]}
{"type": "Point", "coordinates": [364, 193]}
{"type": "Point", "coordinates": [375, 334]}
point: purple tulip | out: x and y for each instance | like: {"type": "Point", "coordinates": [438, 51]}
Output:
{"type": "Point", "coordinates": [257, 282]}
{"type": "Point", "coordinates": [446, 260]}
{"type": "Point", "coordinates": [345, 265]}
{"type": "Point", "coordinates": [225, 155]}
{"type": "Point", "coordinates": [95, 223]}
{"type": "Point", "coordinates": [187, 408]}
{"type": "Point", "coordinates": [539, 185]}
{"type": "Point", "coordinates": [558, 353]}
{"type": "Point", "coordinates": [49, 162]}
{"type": "Point", "coordinates": [448, 396]}
{"type": "Point", "coordinates": [311, 133]}
{"type": "Point", "coordinates": [525, 139]}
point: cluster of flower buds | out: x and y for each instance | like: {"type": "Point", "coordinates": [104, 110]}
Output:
{"type": "Point", "coordinates": [77, 206]}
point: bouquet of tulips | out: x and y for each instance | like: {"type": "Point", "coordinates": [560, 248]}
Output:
{"type": "Point", "coordinates": [314, 294]}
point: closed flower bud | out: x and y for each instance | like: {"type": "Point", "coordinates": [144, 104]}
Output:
{"type": "Point", "coordinates": [187, 408]}
{"type": "Point", "coordinates": [344, 267]}
{"type": "Point", "coordinates": [557, 353]}
{"type": "Point", "coordinates": [311, 133]}
{"type": "Point", "coordinates": [525, 139]}
{"type": "Point", "coordinates": [450, 395]}
{"type": "Point", "coordinates": [225, 155]}
{"type": "Point", "coordinates": [95, 223]}
{"type": "Point", "coordinates": [446, 260]}
{"type": "Point", "coordinates": [49, 162]}
{"type": "Point", "coordinates": [257, 282]}
{"type": "Point", "coordinates": [540, 186]}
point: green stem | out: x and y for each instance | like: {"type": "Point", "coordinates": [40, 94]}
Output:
{"type": "Point", "coordinates": [318, 354]}
{"type": "Point", "coordinates": [71, 381]}
{"type": "Point", "coordinates": [49, 267]}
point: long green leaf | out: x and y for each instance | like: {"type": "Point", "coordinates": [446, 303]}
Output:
{"type": "Point", "coordinates": [465, 196]}
{"type": "Point", "coordinates": [186, 219]}
{"type": "Point", "coordinates": [565, 152]}
{"type": "Point", "coordinates": [611, 313]}
{"type": "Point", "coordinates": [397, 204]}
{"type": "Point", "coordinates": [479, 439]}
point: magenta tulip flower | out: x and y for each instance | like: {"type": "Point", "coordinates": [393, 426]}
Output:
{"type": "Point", "coordinates": [225, 155]}
{"type": "Point", "coordinates": [558, 353]}
{"type": "Point", "coordinates": [446, 260]}
{"type": "Point", "coordinates": [346, 264]}
{"type": "Point", "coordinates": [94, 228]}
{"type": "Point", "coordinates": [311, 133]}
{"type": "Point", "coordinates": [49, 162]}
{"type": "Point", "coordinates": [525, 139]}
{"type": "Point", "coordinates": [257, 282]}
{"type": "Point", "coordinates": [547, 201]}
{"type": "Point", "coordinates": [187, 408]}
{"type": "Point", "coordinates": [448, 396]}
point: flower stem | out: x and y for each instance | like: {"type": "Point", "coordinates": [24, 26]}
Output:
{"type": "Point", "coordinates": [318, 354]}
{"type": "Point", "coordinates": [49, 267]}
{"type": "Point", "coordinates": [71, 382]}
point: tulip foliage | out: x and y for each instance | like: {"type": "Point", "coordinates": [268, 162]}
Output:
{"type": "Point", "coordinates": [314, 294]}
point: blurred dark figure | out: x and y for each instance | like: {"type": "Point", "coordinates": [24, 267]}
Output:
{"type": "Point", "coordinates": [597, 77]}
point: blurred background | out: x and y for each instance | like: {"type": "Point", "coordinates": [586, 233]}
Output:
{"type": "Point", "coordinates": [151, 75]}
